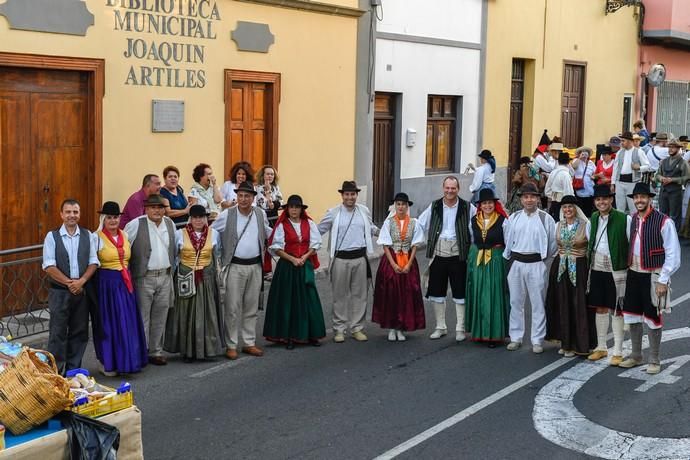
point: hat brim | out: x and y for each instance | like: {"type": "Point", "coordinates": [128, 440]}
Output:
{"type": "Point", "coordinates": [286, 205]}
{"type": "Point", "coordinates": [649, 194]}
{"type": "Point", "coordinates": [109, 213]}
{"type": "Point", "coordinates": [355, 190]}
{"type": "Point", "coordinates": [409, 203]}
{"type": "Point", "coordinates": [253, 192]}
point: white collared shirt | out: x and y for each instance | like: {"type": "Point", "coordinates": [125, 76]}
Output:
{"type": "Point", "coordinates": [158, 236]}
{"type": "Point", "coordinates": [527, 235]}
{"type": "Point", "coordinates": [559, 184]}
{"type": "Point", "coordinates": [385, 238]}
{"type": "Point", "coordinates": [71, 243]}
{"type": "Point", "coordinates": [450, 213]}
{"type": "Point", "coordinates": [279, 236]}
{"type": "Point", "coordinates": [601, 239]}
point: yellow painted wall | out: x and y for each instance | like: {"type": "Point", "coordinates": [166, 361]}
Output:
{"type": "Point", "coordinates": [314, 53]}
{"type": "Point", "coordinates": [576, 30]}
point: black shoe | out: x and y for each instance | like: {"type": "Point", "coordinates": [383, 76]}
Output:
{"type": "Point", "coordinates": [492, 344]}
{"type": "Point", "coordinates": [290, 345]}
{"type": "Point", "coordinates": [315, 343]}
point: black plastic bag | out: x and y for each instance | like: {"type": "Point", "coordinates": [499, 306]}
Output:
{"type": "Point", "coordinates": [90, 439]}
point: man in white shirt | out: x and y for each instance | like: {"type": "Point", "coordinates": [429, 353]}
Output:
{"type": "Point", "coordinates": [628, 167]}
{"type": "Point", "coordinates": [658, 151]}
{"type": "Point", "coordinates": [153, 257]}
{"type": "Point", "coordinates": [349, 243]}
{"type": "Point", "coordinates": [530, 248]}
{"type": "Point", "coordinates": [70, 260]}
{"type": "Point", "coordinates": [655, 256]}
{"type": "Point", "coordinates": [243, 231]}
{"type": "Point", "coordinates": [560, 182]}
{"type": "Point", "coordinates": [446, 223]}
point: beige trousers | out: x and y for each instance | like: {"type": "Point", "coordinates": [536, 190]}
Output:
{"type": "Point", "coordinates": [242, 291]}
{"type": "Point", "coordinates": [349, 285]}
{"type": "Point", "coordinates": [154, 296]}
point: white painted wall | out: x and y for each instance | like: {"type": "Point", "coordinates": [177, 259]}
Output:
{"type": "Point", "coordinates": [458, 20]}
{"type": "Point", "coordinates": [418, 70]}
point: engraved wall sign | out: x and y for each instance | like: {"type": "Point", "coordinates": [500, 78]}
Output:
{"type": "Point", "coordinates": [167, 116]}
{"type": "Point", "coordinates": [69, 17]}
{"type": "Point", "coordinates": [252, 36]}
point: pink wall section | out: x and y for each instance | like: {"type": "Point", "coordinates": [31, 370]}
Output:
{"type": "Point", "coordinates": [667, 14]}
{"type": "Point", "coordinates": [677, 62]}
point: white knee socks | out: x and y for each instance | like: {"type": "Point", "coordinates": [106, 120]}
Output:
{"type": "Point", "coordinates": [602, 325]}
{"type": "Point", "coordinates": [618, 325]}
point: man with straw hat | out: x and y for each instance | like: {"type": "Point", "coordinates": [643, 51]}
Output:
{"type": "Point", "coordinates": [628, 167]}
{"type": "Point", "coordinates": [673, 173]}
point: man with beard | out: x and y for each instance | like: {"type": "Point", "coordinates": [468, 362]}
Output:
{"type": "Point", "coordinates": [653, 256]}
{"type": "Point", "coordinates": [608, 257]}
{"type": "Point", "coordinates": [628, 167]}
{"type": "Point", "coordinates": [673, 173]}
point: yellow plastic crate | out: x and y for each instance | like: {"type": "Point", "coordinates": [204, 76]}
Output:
{"type": "Point", "coordinates": [106, 406]}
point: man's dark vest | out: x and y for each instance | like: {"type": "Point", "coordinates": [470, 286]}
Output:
{"type": "Point", "coordinates": [615, 234]}
{"type": "Point", "coordinates": [62, 257]}
{"type": "Point", "coordinates": [652, 254]}
{"type": "Point", "coordinates": [672, 167]}
{"type": "Point", "coordinates": [141, 247]}
{"type": "Point", "coordinates": [461, 230]}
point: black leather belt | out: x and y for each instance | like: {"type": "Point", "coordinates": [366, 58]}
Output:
{"type": "Point", "coordinates": [526, 258]}
{"type": "Point", "coordinates": [626, 178]}
{"type": "Point", "coordinates": [352, 254]}
{"type": "Point", "coordinates": [241, 261]}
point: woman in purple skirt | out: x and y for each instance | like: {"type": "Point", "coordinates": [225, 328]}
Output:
{"type": "Point", "coordinates": [398, 303]}
{"type": "Point", "coordinates": [121, 347]}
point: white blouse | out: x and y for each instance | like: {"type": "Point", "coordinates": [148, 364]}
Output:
{"type": "Point", "coordinates": [385, 238]}
{"type": "Point", "coordinates": [279, 236]}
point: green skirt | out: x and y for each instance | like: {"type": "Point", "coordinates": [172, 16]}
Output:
{"type": "Point", "coordinates": [293, 310]}
{"type": "Point", "coordinates": [487, 301]}
{"type": "Point", "coordinates": [194, 326]}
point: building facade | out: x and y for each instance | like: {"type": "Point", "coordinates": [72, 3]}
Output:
{"type": "Point", "coordinates": [666, 40]}
{"type": "Point", "coordinates": [420, 86]}
{"type": "Point", "coordinates": [561, 65]}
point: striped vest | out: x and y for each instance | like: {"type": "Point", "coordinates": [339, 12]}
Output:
{"type": "Point", "coordinates": [462, 233]}
{"type": "Point", "coordinates": [652, 254]}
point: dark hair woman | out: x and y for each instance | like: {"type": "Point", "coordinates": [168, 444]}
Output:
{"type": "Point", "coordinates": [178, 206]}
{"type": "Point", "coordinates": [240, 172]}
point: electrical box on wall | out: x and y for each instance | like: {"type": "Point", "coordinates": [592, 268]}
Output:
{"type": "Point", "coordinates": [411, 137]}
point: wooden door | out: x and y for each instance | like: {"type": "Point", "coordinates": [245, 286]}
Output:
{"type": "Point", "coordinates": [517, 92]}
{"type": "Point", "coordinates": [383, 167]}
{"type": "Point", "coordinates": [572, 105]}
{"type": "Point", "coordinates": [45, 157]}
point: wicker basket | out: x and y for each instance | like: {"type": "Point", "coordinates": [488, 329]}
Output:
{"type": "Point", "coordinates": [31, 392]}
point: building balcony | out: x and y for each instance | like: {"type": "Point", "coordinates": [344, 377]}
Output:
{"type": "Point", "coordinates": [666, 23]}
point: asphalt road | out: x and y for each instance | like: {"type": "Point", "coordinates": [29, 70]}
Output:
{"type": "Point", "coordinates": [360, 400]}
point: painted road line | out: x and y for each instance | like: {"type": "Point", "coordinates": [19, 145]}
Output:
{"type": "Point", "coordinates": [558, 420]}
{"type": "Point", "coordinates": [219, 367]}
{"type": "Point", "coordinates": [473, 409]}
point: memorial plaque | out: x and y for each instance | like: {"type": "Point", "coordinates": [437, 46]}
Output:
{"type": "Point", "coordinates": [168, 116]}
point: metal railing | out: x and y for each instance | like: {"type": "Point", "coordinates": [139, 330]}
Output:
{"type": "Point", "coordinates": [23, 293]}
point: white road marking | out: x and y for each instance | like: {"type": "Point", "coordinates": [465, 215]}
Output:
{"type": "Point", "coordinates": [473, 409]}
{"type": "Point", "coordinates": [666, 376]}
{"type": "Point", "coordinates": [558, 420]}
{"type": "Point", "coordinates": [218, 368]}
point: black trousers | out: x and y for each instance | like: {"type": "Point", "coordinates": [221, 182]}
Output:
{"type": "Point", "coordinates": [69, 327]}
{"type": "Point", "coordinates": [671, 204]}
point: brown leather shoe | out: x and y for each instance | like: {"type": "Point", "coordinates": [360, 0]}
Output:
{"type": "Point", "coordinates": [231, 353]}
{"type": "Point", "coordinates": [158, 360]}
{"type": "Point", "coordinates": [253, 350]}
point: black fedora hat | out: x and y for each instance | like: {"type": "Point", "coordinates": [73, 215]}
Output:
{"type": "Point", "coordinates": [401, 196]}
{"type": "Point", "coordinates": [349, 186]}
{"type": "Point", "coordinates": [525, 160]}
{"type": "Point", "coordinates": [245, 187]}
{"type": "Point", "coordinates": [155, 200]}
{"type": "Point", "coordinates": [294, 200]}
{"type": "Point", "coordinates": [602, 191]}
{"type": "Point", "coordinates": [198, 211]}
{"type": "Point", "coordinates": [563, 157]}
{"type": "Point", "coordinates": [528, 189]}
{"type": "Point", "coordinates": [568, 199]}
{"type": "Point", "coordinates": [627, 136]}
{"type": "Point", "coordinates": [110, 208]}
{"type": "Point", "coordinates": [642, 189]}
{"type": "Point", "coordinates": [486, 154]}
{"type": "Point", "coordinates": [486, 194]}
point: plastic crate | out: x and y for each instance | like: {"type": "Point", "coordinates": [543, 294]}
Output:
{"type": "Point", "coordinates": [123, 399]}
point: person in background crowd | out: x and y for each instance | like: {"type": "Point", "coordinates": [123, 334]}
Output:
{"type": "Point", "coordinates": [608, 261]}
{"type": "Point", "coordinates": [604, 170]}
{"type": "Point", "coordinates": [244, 229]}
{"type": "Point", "coordinates": [530, 246]}
{"type": "Point", "coordinates": [153, 256]}
{"type": "Point", "coordinates": [205, 191]}
{"type": "Point", "coordinates": [446, 224]}
{"type": "Point", "coordinates": [566, 298]}
{"type": "Point", "coordinates": [628, 167]}
{"type": "Point", "coordinates": [70, 260]}
{"type": "Point", "coordinates": [640, 129]}
{"type": "Point", "coordinates": [269, 196]}
{"type": "Point", "coordinates": [559, 183]}
{"type": "Point", "coordinates": [684, 147]}
{"type": "Point", "coordinates": [193, 326]}
{"type": "Point", "coordinates": [583, 181]}
{"type": "Point", "coordinates": [121, 346]}
{"type": "Point", "coordinates": [658, 151]}
{"type": "Point", "coordinates": [654, 256]}
{"type": "Point", "coordinates": [350, 241]}
{"type": "Point", "coordinates": [398, 302]}
{"type": "Point", "coordinates": [486, 319]}
{"type": "Point", "coordinates": [673, 173]}
{"type": "Point", "coordinates": [484, 175]}
{"type": "Point", "coordinates": [545, 162]}
{"type": "Point", "coordinates": [528, 173]}
{"type": "Point", "coordinates": [240, 172]}
{"type": "Point", "coordinates": [686, 156]}
{"type": "Point", "coordinates": [615, 144]}
{"type": "Point", "coordinates": [293, 312]}
{"type": "Point", "coordinates": [134, 208]}
{"type": "Point", "coordinates": [178, 205]}
{"type": "Point", "coordinates": [648, 176]}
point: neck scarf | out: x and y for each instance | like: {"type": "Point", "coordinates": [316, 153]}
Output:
{"type": "Point", "coordinates": [484, 255]}
{"type": "Point", "coordinates": [198, 243]}
{"type": "Point", "coordinates": [567, 260]}
{"type": "Point", "coordinates": [119, 245]}
{"type": "Point", "coordinates": [402, 258]}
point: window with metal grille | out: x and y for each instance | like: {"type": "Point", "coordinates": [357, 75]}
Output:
{"type": "Point", "coordinates": [673, 107]}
